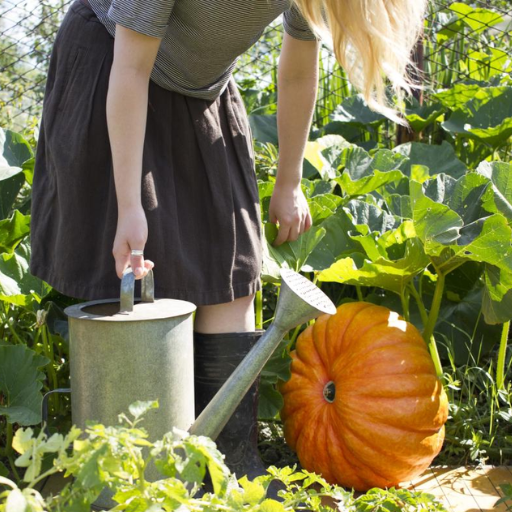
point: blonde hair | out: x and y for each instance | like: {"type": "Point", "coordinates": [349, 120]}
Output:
{"type": "Point", "coordinates": [373, 40]}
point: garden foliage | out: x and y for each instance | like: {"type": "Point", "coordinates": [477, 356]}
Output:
{"type": "Point", "coordinates": [118, 457]}
{"type": "Point", "coordinates": [421, 223]}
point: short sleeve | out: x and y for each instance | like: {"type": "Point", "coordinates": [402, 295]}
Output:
{"type": "Point", "coordinates": [296, 25]}
{"type": "Point", "coordinates": [149, 17]}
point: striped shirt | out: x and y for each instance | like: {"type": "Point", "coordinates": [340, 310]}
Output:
{"type": "Point", "coordinates": [201, 39]}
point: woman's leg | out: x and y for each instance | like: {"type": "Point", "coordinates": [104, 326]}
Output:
{"type": "Point", "coordinates": [235, 316]}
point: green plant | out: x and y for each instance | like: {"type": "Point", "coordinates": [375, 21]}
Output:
{"type": "Point", "coordinates": [118, 458]}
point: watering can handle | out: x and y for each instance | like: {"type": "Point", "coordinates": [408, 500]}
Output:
{"type": "Point", "coordinates": [128, 289]}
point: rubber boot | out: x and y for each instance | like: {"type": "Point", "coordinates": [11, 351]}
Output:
{"type": "Point", "coordinates": [215, 358]}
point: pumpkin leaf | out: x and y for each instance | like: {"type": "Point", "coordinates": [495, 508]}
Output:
{"type": "Point", "coordinates": [458, 96]}
{"type": "Point", "coordinates": [390, 262]}
{"type": "Point", "coordinates": [335, 244]}
{"type": "Point", "coordinates": [364, 174]}
{"type": "Point", "coordinates": [477, 18]}
{"type": "Point", "coordinates": [488, 120]}
{"type": "Point", "coordinates": [21, 382]}
{"type": "Point", "coordinates": [271, 401]}
{"type": "Point", "coordinates": [17, 285]}
{"type": "Point", "coordinates": [13, 230]}
{"type": "Point", "coordinates": [264, 128]}
{"type": "Point", "coordinates": [15, 149]}
{"type": "Point", "coordinates": [368, 218]}
{"type": "Point", "coordinates": [438, 159]}
{"type": "Point", "coordinates": [420, 116]}
{"type": "Point", "coordinates": [497, 312]}
{"type": "Point", "coordinates": [355, 112]}
{"type": "Point", "coordinates": [435, 223]}
{"type": "Point", "coordinates": [461, 324]}
{"type": "Point", "coordinates": [12, 152]}
{"type": "Point", "coordinates": [500, 175]}
{"type": "Point", "coordinates": [324, 154]}
{"type": "Point", "coordinates": [293, 254]}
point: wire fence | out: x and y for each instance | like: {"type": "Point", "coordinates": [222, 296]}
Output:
{"type": "Point", "coordinates": [462, 41]}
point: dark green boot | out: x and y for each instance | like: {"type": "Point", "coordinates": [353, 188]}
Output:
{"type": "Point", "coordinates": [215, 358]}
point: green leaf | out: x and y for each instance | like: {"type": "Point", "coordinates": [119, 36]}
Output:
{"type": "Point", "coordinates": [16, 150]}
{"type": "Point", "coordinates": [11, 175]}
{"type": "Point", "coordinates": [336, 242]}
{"type": "Point", "coordinates": [270, 402]}
{"type": "Point", "coordinates": [17, 285]}
{"type": "Point", "coordinates": [13, 231]}
{"type": "Point", "coordinates": [324, 154]}
{"type": "Point", "coordinates": [451, 27]}
{"type": "Point", "coordinates": [140, 408]}
{"type": "Point", "coordinates": [368, 218]}
{"type": "Point", "coordinates": [364, 174]}
{"type": "Point", "coordinates": [435, 223]}
{"type": "Point", "coordinates": [438, 159]}
{"type": "Point", "coordinates": [420, 116]}
{"type": "Point", "coordinates": [478, 19]}
{"type": "Point", "coordinates": [390, 274]}
{"type": "Point", "coordinates": [20, 383]}
{"type": "Point", "coordinates": [295, 254]}
{"type": "Point", "coordinates": [254, 492]}
{"type": "Point", "coordinates": [271, 506]}
{"type": "Point", "coordinates": [497, 312]}
{"type": "Point", "coordinates": [462, 325]}
{"type": "Point", "coordinates": [264, 128]}
{"type": "Point", "coordinates": [354, 111]}
{"type": "Point", "coordinates": [487, 119]}
{"type": "Point", "coordinates": [459, 95]}
{"type": "Point", "coordinates": [500, 175]}
{"type": "Point", "coordinates": [3, 469]}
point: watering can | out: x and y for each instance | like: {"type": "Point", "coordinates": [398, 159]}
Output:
{"type": "Point", "coordinates": [121, 352]}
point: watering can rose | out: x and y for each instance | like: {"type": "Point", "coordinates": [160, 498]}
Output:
{"type": "Point", "coordinates": [363, 407]}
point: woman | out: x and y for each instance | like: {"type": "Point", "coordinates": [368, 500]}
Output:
{"type": "Point", "coordinates": [143, 127]}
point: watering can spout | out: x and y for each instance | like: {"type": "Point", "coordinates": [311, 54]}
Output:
{"type": "Point", "coordinates": [299, 302]}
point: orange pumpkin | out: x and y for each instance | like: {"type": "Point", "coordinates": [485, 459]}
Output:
{"type": "Point", "coordinates": [363, 407]}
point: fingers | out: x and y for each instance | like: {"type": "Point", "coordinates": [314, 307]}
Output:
{"type": "Point", "coordinates": [124, 259]}
{"type": "Point", "coordinates": [290, 231]}
{"type": "Point", "coordinates": [282, 235]}
{"type": "Point", "coordinates": [137, 264]}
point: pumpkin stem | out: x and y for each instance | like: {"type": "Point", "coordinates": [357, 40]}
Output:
{"type": "Point", "coordinates": [330, 391]}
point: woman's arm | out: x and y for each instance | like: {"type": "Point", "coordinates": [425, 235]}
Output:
{"type": "Point", "coordinates": [127, 104]}
{"type": "Point", "coordinates": [297, 88]}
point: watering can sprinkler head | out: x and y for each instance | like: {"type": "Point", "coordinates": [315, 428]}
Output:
{"type": "Point", "coordinates": [299, 302]}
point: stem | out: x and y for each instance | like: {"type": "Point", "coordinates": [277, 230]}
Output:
{"type": "Point", "coordinates": [258, 306]}
{"type": "Point", "coordinates": [419, 302]}
{"type": "Point", "coordinates": [14, 333]}
{"type": "Point", "coordinates": [48, 349]}
{"type": "Point", "coordinates": [50, 472]}
{"type": "Point", "coordinates": [428, 332]}
{"type": "Point", "coordinates": [500, 369]}
{"type": "Point", "coordinates": [8, 439]}
{"type": "Point", "coordinates": [14, 470]}
{"type": "Point", "coordinates": [359, 293]}
{"type": "Point", "coordinates": [404, 298]}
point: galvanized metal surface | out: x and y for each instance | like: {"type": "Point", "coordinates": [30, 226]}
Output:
{"type": "Point", "coordinates": [119, 358]}
{"type": "Point", "coordinates": [128, 289]}
{"type": "Point", "coordinates": [299, 301]}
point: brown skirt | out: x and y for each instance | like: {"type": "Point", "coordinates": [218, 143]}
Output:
{"type": "Point", "coordinates": [199, 187]}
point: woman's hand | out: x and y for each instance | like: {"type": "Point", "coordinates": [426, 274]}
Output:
{"type": "Point", "coordinates": [131, 234]}
{"type": "Point", "coordinates": [289, 208]}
